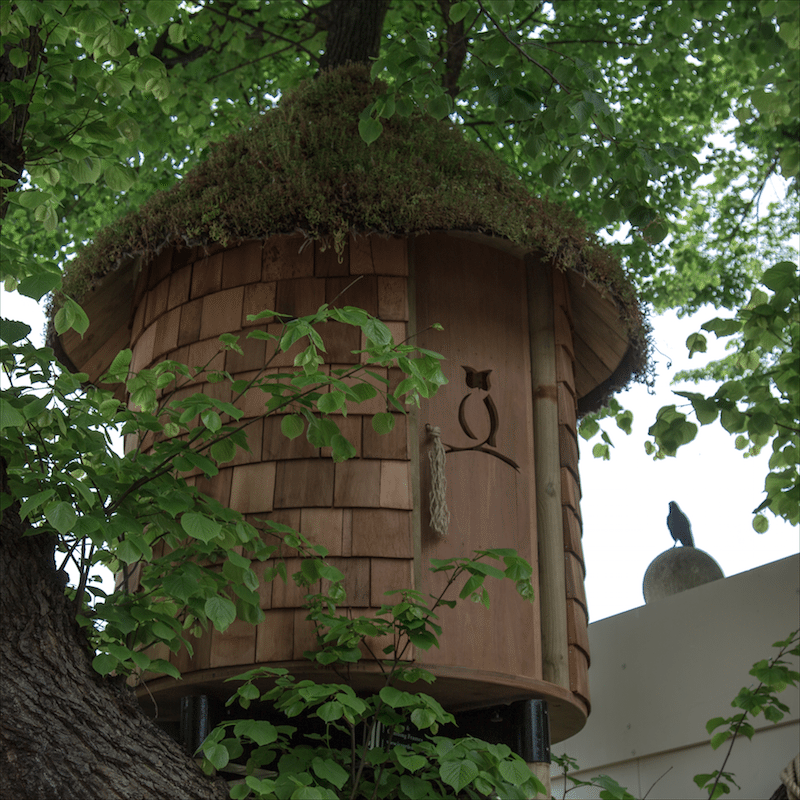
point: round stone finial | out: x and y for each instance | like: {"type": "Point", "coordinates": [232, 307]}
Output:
{"type": "Point", "coordinates": [678, 569]}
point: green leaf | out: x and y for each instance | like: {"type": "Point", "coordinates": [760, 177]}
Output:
{"type": "Point", "coordinates": [369, 129]}
{"type": "Point", "coordinates": [200, 527]}
{"type": "Point", "coordinates": [760, 523]}
{"type": "Point", "coordinates": [217, 754]}
{"type": "Point", "coordinates": [458, 774]}
{"type": "Point", "coordinates": [11, 331]}
{"type": "Point", "coordinates": [260, 731]}
{"type": "Point", "coordinates": [292, 426]}
{"type": "Point", "coordinates": [39, 284]}
{"type": "Point", "coordinates": [383, 422]}
{"type": "Point", "coordinates": [696, 343]}
{"type": "Point", "coordinates": [222, 451]}
{"type": "Point", "coordinates": [221, 611]}
{"type": "Point", "coordinates": [71, 315]}
{"type": "Point", "coordinates": [10, 417]}
{"type": "Point", "coordinates": [458, 11]}
{"type": "Point", "coordinates": [342, 448]}
{"type": "Point", "coordinates": [377, 332]}
{"type": "Point", "coordinates": [328, 770]}
{"type": "Point", "coordinates": [330, 402]}
{"type": "Point", "coordinates": [104, 663]}
{"type": "Point", "coordinates": [61, 516]}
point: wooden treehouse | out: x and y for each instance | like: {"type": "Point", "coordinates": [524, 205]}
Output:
{"type": "Point", "coordinates": [539, 325]}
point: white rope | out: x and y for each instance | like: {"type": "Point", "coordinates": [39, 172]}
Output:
{"type": "Point", "coordinates": [440, 516]}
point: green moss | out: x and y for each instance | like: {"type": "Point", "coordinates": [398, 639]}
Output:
{"type": "Point", "coordinates": [303, 167]}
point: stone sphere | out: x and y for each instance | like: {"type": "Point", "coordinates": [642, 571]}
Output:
{"type": "Point", "coordinates": [678, 569]}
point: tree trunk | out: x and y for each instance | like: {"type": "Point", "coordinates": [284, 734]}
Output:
{"type": "Point", "coordinates": [354, 31]}
{"type": "Point", "coordinates": [65, 731]}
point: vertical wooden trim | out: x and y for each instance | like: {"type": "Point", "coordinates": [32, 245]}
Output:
{"type": "Point", "coordinates": [547, 466]}
{"type": "Point", "coordinates": [413, 429]}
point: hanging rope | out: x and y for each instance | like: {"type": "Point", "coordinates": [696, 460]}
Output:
{"type": "Point", "coordinates": [440, 516]}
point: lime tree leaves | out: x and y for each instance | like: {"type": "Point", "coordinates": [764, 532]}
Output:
{"type": "Point", "coordinates": [756, 401]}
{"type": "Point", "coordinates": [136, 515]}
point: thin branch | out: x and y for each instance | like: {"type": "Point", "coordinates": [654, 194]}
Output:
{"type": "Point", "coordinates": [521, 51]}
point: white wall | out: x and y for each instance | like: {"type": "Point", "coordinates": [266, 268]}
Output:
{"type": "Point", "coordinates": [659, 672]}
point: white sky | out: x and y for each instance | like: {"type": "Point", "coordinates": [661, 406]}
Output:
{"type": "Point", "coordinates": [625, 500]}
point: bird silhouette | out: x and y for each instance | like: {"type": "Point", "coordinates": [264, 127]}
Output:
{"type": "Point", "coordinates": [679, 526]}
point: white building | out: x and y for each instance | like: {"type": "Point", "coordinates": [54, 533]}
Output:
{"type": "Point", "coordinates": [660, 672]}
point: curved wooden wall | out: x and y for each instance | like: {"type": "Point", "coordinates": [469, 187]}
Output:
{"type": "Point", "coordinates": [372, 512]}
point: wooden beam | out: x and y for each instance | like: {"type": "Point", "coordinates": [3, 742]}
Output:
{"type": "Point", "coordinates": [550, 535]}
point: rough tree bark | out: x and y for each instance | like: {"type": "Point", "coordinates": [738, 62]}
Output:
{"type": "Point", "coordinates": [66, 732]}
{"type": "Point", "coordinates": [354, 31]}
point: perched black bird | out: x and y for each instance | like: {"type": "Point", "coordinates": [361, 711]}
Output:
{"type": "Point", "coordinates": [679, 526]}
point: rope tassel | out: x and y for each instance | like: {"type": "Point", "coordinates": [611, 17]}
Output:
{"type": "Point", "coordinates": [440, 516]}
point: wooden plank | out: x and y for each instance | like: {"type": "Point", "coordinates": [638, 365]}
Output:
{"type": "Point", "coordinates": [388, 574]}
{"type": "Point", "coordinates": [577, 625]}
{"type": "Point", "coordinates": [157, 302]}
{"type": "Point", "coordinates": [323, 526]}
{"type": "Point", "coordinates": [570, 489]}
{"type": "Point", "coordinates": [218, 487]}
{"type": "Point", "coordinates": [160, 267]}
{"type": "Point", "coordinates": [304, 483]}
{"type": "Point", "coordinates": [191, 314]}
{"type": "Point", "coordinates": [572, 535]}
{"type": "Point", "coordinates": [395, 491]}
{"type": "Point", "coordinates": [579, 673]}
{"type": "Point", "coordinates": [253, 357]}
{"type": "Point", "coordinates": [574, 578]}
{"type": "Point", "coordinates": [340, 343]}
{"type": "Point", "coordinates": [568, 448]}
{"type": "Point", "coordinates": [207, 276]}
{"type": "Point", "coordinates": [381, 532]}
{"type": "Point", "coordinates": [587, 296]}
{"type": "Point", "coordinates": [390, 445]}
{"type": "Point", "coordinates": [288, 594]}
{"type": "Point", "coordinates": [305, 637]}
{"type": "Point", "coordinates": [392, 299]}
{"type": "Point", "coordinates": [253, 487]}
{"type": "Point", "coordinates": [564, 366]}
{"type": "Point", "coordinates": [567, 406]}
{"type": "Point", "coordinates": [478, 293]}
{"type": "Point", "coordinates": [236, 646]}
{"type": "Point", "coordinates": [361, 292]}
{"type": "Point", "coordinates": [258, 297]}
{"type": "Point", "coordinates": [328, 262]}
{"type": "Point", "coordinates": [264, 587]}
{"type": "Point", "coordinates": [287, 257]}
{"type": "Point", "coordinates": [278, 447]}
{"type": "Point", "coordinates": [563, 330]}
{"type": "Point", "coordinates": [389, 255]}
{"type": "Point", "coordinates": [167, 329]}
{"type": "Point", "coordinates": [275, 636]}
{"type": "Point", "coordinates": [242, 265]}
{"type": "Point", "coordinates": [552, 579]}
{"type": "Point", "coordinates": [222, 312]}
{"type": "Point", "coordinates": [356, 573]}
{"type": "Point", "coordinates": [180, 284]}
{"type": "Point", "coordinates": [300, 297]}
{"type": "Point", "coordinates": [358, 484]}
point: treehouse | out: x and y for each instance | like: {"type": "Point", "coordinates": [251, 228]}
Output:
{"type": "Point", "coordinates": [539, 326]}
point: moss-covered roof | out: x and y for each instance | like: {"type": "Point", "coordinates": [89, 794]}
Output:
{"type": "Point", "coordinates": [303, 167]}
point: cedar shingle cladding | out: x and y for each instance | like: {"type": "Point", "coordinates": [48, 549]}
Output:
{"type": "Point", "coordinates": [360, 510]}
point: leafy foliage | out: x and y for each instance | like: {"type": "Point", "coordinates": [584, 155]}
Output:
{"type": "Point", "coordinates": [121, 511]}
{"type": "Point", "coordinates": [757, 397]}
{"type": "Point", "coordinates": [382, 760]}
